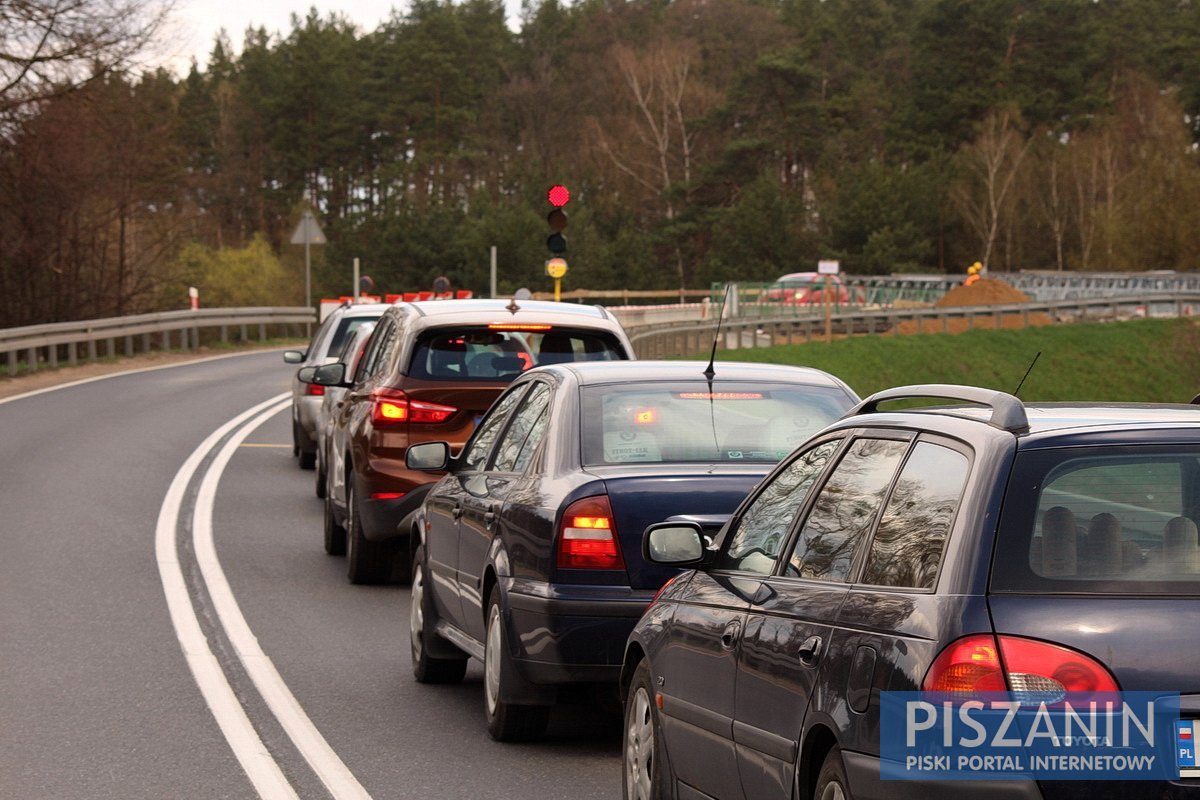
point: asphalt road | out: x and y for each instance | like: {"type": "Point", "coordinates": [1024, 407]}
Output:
{"type": "Point", "coordinates": [101, 698]}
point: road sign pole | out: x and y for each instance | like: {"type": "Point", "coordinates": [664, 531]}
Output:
{"type": "Point", "coordinates": [557, 290]}
{"type": "Point", "coordinates": [493, 271]}
{"type": "Point", "coordinates": [355, 291]}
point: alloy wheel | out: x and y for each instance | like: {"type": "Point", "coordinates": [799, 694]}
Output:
{"type": "Point", "coordinates": [639, 748]}
{"type": "Point", "coordinates": [491, 661]}
{"type": "Point", "coordinates": [416, 614]}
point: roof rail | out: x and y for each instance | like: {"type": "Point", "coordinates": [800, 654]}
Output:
{"type": "Point", "coordinates": [1008, 412]}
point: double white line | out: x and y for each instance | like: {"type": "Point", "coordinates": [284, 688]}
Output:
{"type": "Point", "coordinates": [260, 766]}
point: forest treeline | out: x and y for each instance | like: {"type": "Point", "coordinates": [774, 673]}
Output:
{"type": "Point", "coordinates": [702, 140]}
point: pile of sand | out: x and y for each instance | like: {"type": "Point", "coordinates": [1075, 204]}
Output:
{"type": "Point", "coordinates": [984, 292]}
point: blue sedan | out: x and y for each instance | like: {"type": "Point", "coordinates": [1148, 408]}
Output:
{"type": "Point", "coordinates": [530, 554]}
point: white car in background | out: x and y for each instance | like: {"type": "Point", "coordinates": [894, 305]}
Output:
{"type": "Point", "coordinates": [326, 344]}
{"type": "Point", "coordinates": [350, 354]}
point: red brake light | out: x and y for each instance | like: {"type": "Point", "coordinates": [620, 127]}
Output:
{"type": "Point", "coordinates": [1034, 666]}
{"type": "Point", "coordinates": [391, 407]}
{"type": "Point", "coordinates": [314, 390]}
{"type": "Point", "coordinates": [587, 537]}
{"type": "Point", "coordinates": [971, 664]}
{"type": "Point", "coordinates": [983, 663]}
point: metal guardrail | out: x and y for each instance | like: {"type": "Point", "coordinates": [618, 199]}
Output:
{"type": "Point", "coordinates": [694, 338]}
{"type": "Point", "coordinates": [71, 341]}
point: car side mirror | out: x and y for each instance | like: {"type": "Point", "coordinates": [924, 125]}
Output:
{"type": "Point", "coordinates": [325, 375]}
{"type": "Point", "coordinates": [674, 544]}
{"type": "Point", "coordinates": [293, 356]}
{"type": "Point", "coordinates": [428, 456]}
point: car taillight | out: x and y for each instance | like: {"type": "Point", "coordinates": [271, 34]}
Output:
{"type": "Point", "coordinates": [314, 390]}
{"type": "Point", "coordinates": [587, 537]}
{"type": "Point", "coordinates": [983, 663]}
{"type": "Point", "coordinates": [390, 407]}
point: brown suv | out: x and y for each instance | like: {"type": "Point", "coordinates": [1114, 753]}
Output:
{"type": "Point", "coordinates": [429, 373]}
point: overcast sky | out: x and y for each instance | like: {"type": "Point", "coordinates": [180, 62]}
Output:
{"type": "Point", "coordinates": [197, 22]}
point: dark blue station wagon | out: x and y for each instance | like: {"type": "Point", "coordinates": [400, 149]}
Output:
{"type": "Point", "coordinates": [970, 547]}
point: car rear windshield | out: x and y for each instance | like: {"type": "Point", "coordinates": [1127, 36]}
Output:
{"type": "Point", "coordinates": [345, 327]}
{"type": "Point", "coordinates": [1101, 521]}
{"type": "Point", "coordinates": [488, 353]}
{"type": "Point", "coordinates": [679, 422]}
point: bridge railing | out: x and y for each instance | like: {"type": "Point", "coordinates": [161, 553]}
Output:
{"type": "Point", "coordinates": [72, 341]}
{"type": "Point", "coordinates": [695, 338]}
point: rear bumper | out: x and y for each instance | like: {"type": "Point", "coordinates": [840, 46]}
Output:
{"type": "Point", "coordinates": [862, 771]}
{"type": "Point", "coordinates": [381, 518]}
{"type": "Point", "coordinates": [571, 634]}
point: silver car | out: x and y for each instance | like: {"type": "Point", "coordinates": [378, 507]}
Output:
{"type": "Point", "coordinates": [350, 354]}
{"type": "Point", "coordinates": [323, 349]}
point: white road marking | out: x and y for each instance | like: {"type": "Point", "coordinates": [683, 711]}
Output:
{"type": "Point", "coordinates": [260, 766]}
{"type": "Point", "coordinates": [337, 778]}
{"type": "Point", "coordinates": [247, 747]}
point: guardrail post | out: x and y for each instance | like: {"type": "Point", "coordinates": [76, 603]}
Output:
{"type": "Point", "coordinates": [91, 349]}
{"type": "Point", "coordinates": [129, 346]}
{"type": "Point", "coordinates": [110, 348]}
{"type": "Point", "coordinates": [166, 340]}
{"type": "Point", "coordinates": [224, 334]}
{"type": "Point", "coordinates": [262, 332]}
{"type": "Point", "coordinates": [12, 362]}
{"type": "Point", "coordinates": [245, 336]}
{"type": "Point", "coordinates": [52, 356]}
{"type": "Point", "coordinates": [32, 358]}
{"type": "Point", "coordinates": [145, 343]}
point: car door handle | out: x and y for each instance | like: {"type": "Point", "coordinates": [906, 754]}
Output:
{"type": "Point", "coordinates": [457, 512]}
{"type": "Point", "coordinates": [810, 651]}
{"type": "Point", "coordinates": [729, 636]}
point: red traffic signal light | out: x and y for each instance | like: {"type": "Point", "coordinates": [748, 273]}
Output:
{"type": "Point", "coordinates": [558, 195]}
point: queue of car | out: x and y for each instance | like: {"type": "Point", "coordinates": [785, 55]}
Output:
{"type": "Point", "coordinates": [753, 556]}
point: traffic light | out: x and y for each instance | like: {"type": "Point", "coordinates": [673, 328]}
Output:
{"type": "Point", "coordinates": [559, 196]}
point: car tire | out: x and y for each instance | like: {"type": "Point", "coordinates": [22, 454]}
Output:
{"type": "Point", "coordinates": [507, 722]}
{"type": "Point", "coordinates": [322, 477]}
{"type": "Point", "coordinates": [426, 668]}
{"type": "Point", "coordinates": [367, 562]}
{"type": "Point", "coordinates": [335, 534]}
{"type": "Point", "coordinates": [308, 460]}
{"type": "Point", "coordinates": [832, 783]}
{"type": "Point", "coordinates": [645, 773]}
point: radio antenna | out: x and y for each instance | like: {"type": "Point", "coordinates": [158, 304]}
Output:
{"type": "Point", "coordinates": [710, 371]}
{"type": "Point", "coordinates": [1017, 391]}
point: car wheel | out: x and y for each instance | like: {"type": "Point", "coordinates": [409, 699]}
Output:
{"type": "Point", "coordinates": [308, 460]}
{"type": "Point", "coordinates": [322, 476]}
{"type": "Point", "coordinates": [426, 668]}
{"type": "Point", "coordinates": [506, 722]}
{"type": "Point", "coordinates": [366, 562]}
{"type": "Point", "coordinates": [335, 534]}
{"type": "Point", "coordinates": [831, 781]}
{"type": "Point", "coordinates": [295, 439]}
{"type": "Point", "coordinates": [645, 771]}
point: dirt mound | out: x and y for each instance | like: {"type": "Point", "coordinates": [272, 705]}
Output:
{"type": "Point", "coordinates": [984, 292]}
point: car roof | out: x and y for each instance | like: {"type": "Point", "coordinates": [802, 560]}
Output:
{"type": "Point", "coordinates": [1033, 423]}
{"type": "Point", "coordinates": [499, 310]}
{"type": "Point", "coordinates": [361, 310]}
{"type": "Point", "coordinates": [600, 372]}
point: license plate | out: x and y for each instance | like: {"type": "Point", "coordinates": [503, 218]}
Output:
{"type": "Point", "coordinates": [1185, 748]}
